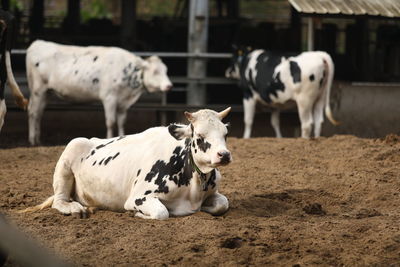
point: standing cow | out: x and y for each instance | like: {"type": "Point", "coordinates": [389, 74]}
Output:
{"type": "Point", "coordinates": [110, 74]}
{"type": "Point", "coordinates": [6, 73]}
{"type": "Point", "coordinates": [273, 79]}
{"type": "Point", "coordinates": [161, 171]}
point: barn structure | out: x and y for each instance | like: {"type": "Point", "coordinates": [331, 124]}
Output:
{"type": "Point", "coordinates": [194, 37]}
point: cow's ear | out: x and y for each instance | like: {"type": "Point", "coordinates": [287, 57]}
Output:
{"type": "Point", "coordinates": [179, 131]}
{"type": "Point", "coordinates": [153, 59]}
{"type": "Point", "coordinates": [144, 64]}
{"type": "Point", "coordinates": [190, 116]}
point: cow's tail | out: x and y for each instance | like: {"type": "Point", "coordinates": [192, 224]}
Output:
{"type": "Point", "coordinates": [327, 84]}
{"type": "Point", "coordinates": [20, 100]}
{"type": "Point", "coordinates": [47, 203]}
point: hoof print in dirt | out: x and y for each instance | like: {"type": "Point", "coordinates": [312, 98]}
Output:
{"type": "Point", "coordinates": [366, 213]}
{"type": "Point", "coordinates": [314, 209]}
{"type": "Point", "coordinates": [231, 243]}
{"type": "Point", "coordinates": [197, 248]}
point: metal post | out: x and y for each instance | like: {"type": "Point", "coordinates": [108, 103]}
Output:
{"type": "Point", "coordinates": [310, 34]}
{"type": "Point", "coordinates": [197, 43]}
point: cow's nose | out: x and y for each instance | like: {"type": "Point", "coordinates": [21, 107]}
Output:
{"type": "Point", "coordinates": [168, 87]}
{"type": "Point", "coordinates": [224, 156]}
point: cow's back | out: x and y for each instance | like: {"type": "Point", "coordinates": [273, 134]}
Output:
{"type": "Point", "coordinates": [77, 73]}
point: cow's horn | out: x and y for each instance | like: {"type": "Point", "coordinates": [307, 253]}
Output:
{"type": "Point", "coordinates": [224, 113]}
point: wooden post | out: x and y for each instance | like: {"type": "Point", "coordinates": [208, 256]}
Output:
{"type": "Point", "coordinates": [310, 34]}
{"type": "Point", "coordinates": [128, 24]}
{"type": "Point", "coordinates": [197, 43]}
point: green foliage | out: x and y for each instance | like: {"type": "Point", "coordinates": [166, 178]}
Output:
{"type": "Point", "coordinates": [16, 4]}
{"type": "Point", "coordinates": [95, 9]}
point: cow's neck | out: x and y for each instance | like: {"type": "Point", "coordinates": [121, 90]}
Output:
{"type": "Point", "coordinates": [203, 174]}
{"type": "Point", "coordinates": [141, 80]}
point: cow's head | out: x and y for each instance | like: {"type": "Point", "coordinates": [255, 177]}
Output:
{"type": "Point", "coordinates": [207, 134]}
{"type": "Point", "coordinates": [155, 75]}
{"type": "Point", "coordinates": [238, 54]}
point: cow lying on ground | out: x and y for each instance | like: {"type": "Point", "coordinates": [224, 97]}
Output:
{"type": "Point", "coordinates": [273, 80]}
{"type": "Point", "coordinates": [110, 74]}
{"type": "Point", "coordinates": [161, 171]}
{"type": "Point", "coordinates": [6, 73]}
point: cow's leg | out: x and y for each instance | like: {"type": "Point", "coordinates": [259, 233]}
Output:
{"type": "Point", "coordinates": [216, 204]}
{"type": "Point", "coordinates": [37, 103]}
{"type": "Point", "coordinates": [64, 180]}
{"type": "Point", "coordinates": [249, 106]}
{"type": "Point", "coordinates": [3, 110]}
{"type": "Point", "coordinates": [306, 118]}
{"type": "Point", "coordinates": [147, 207]}
{"type": "Point", "coordinates": [110, 111]}
{"type": "Point", "coordinates": [318, 115]}
{"type": "Point", "coordinates": [121, 119]}
{"type": "Point", "coordinates": [275, 122]}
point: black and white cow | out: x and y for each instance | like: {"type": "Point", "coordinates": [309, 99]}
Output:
{"type": "Point", "coordinates": [160, 172]}
{"type": "Point", "coordinates": [274, 79]}
{"type": "Point", "coordinates": [110, 74]}
{"type": "Point", "coordinates": [6, 73]}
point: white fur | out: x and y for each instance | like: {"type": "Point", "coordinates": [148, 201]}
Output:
{"type": "Point", "coordinates": [89, 74]}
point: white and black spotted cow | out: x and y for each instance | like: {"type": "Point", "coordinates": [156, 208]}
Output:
{"type": "Point", "coordinates": [112, 75]}
{"type": "Point", "coordinates": [274, 79]}
{"type": "Point", "coordinates": [6, 73]}
{"type": "Point", "coordinates": [160, 172]}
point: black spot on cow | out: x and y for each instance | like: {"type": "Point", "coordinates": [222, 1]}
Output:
{"type": "Point", "coordinates": [210, 182]}
{"type": "Point", "coordinates": [91, 154]}
{"type": "Point", "coordinates": [95, 81]}
{"type": "Point", "coordinates": [140, 201]}
{"type": "Point", "coordinates": [107, 160]}
{"type": "Point", "coordinates": [103, 145]}
{"type": "Point", "coordinates": [295, 71]}
{"type": "Point", "coordinates": [116, 155]}
{"type": "Point", "coordinates": [147, 192]}
{"type": "Point", "coordinates": [312, 77]}
{"type": "Point", "coordinates": [178, 169]}
{"type": "Point", "coordinates": [94, 163]}
{"type": "Point", "coordinates": [202, 144]}
{"type": "Point", "coordinates": [195, 150]}
{"type": "Point", "coordinates": [37, 64]}
{"type": "Point", "coordinates": [265, 83]}
{"type": "Point", "coordinates": [138, 172]}
{"type": "Point", "coordinates": [95, 58]}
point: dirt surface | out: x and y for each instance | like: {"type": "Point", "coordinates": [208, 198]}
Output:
{"type": "Point", "coordinates": [331, 201]}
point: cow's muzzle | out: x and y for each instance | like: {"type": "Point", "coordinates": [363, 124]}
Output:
{"type": "Point", "coordinates": [224, 157]}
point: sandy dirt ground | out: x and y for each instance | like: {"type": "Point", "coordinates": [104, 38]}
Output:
{"type": "Point", "coordinates": [331, 201]}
